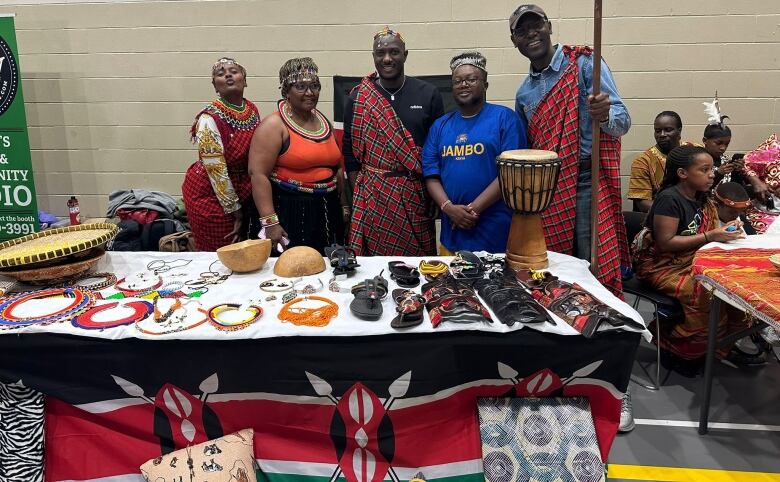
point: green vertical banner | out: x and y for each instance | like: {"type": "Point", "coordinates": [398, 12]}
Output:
{"type": "Point", "coordinates": [18, 210]}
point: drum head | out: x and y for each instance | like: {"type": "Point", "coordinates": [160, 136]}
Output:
{"type": "Point", "coordinates": [528, 155]}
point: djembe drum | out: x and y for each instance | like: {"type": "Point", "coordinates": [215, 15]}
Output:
{"type": "Point", "coordinates": [527, 178]}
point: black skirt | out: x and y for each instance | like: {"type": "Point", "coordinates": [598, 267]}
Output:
{"type": "Point", "coordinates": [313, 220]}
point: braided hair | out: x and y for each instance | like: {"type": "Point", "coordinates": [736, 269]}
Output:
{"type": "Point", "coordinates": [295, 70]}
{"type": "Point", "coordinates": [714, 131]}
{"type": "Point", "coordinates": [679, 158]}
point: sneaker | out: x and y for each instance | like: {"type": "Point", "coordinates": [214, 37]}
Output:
{"type": "Point", "coordinates": [770, 335]}
{"type": "Point", "coordinates": [736, 358]}
{"type": "Point", "coordinates": [626, 414]}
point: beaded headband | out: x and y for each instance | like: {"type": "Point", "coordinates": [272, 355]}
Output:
{"type": "Point", "coordinates": [297, 76]}
{"type": "Point", "coordinates": [469, 58]}
{"type": "Point", "coordinates": [388, 32]}
{"type": "Point", "coordinates": [225, 61]}
{"type": "Point", "coordinates": [734, 204]}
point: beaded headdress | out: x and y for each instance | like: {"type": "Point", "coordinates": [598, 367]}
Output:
{"type": "Point", "coordinates": [226, 61]}
{"type": "Point", "coordinates": [388, 32]}
{"type": "Point", "coordinates": [296, 70]}
{"type": "Point", "coordinates": [469, 58]}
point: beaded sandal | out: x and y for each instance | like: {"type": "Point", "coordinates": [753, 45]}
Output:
{"type": "Point", "coordinates": [409, 306]}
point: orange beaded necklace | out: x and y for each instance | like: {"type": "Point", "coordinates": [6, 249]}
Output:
{"type": "Point", "coordinates": [318, 316]}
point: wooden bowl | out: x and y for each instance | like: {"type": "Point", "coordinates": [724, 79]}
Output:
{"type": "Point", "coordinates": [56, 273]}
{"type": "Point", "coordinates": [775, 260]}
{"type": "Point", "coordinates": [246, 256]}
{"type": "Point", "coordinates": [299, 261]}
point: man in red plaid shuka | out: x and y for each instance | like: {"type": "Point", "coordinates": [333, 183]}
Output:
{"type": "Point", "coordinates": [387, 117]}
{"type": "Point", "coordinates": [555, 102]}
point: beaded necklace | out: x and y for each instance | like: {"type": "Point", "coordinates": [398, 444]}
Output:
{"type": "Point", "coordinates": [81, 301]}
{"type": "Point", "coordinates": [174, 322]}
{"type": "Point", "coordinates": [318, 316]}
{"type": "Point", "coordinates": [320, 134]}
{"type": "Point", "coordinates": [255, 312]}
{"type": "Point", "coordinates": [239, 118]}
{"type": "Point", "coordinates": [141, 309]}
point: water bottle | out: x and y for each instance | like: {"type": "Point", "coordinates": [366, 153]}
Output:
{"type": "Point", "coordinates": [74, 211]}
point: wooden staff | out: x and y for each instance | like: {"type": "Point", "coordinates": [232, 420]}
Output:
{"type": "Point", "coordinates": [595, 155]}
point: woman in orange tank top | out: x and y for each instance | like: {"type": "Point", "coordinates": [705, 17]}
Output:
{"type": "Point", "coordinates": [294, 163]}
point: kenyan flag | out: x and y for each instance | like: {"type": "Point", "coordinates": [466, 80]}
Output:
{"type": "Point", "coordinates": [363, 410]}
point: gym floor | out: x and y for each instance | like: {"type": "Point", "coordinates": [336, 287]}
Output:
{"type": "Point", "coordinates": [743, 443]}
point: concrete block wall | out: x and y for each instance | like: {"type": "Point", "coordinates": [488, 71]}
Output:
{"type": "Point", "coordinates": [111, 87]}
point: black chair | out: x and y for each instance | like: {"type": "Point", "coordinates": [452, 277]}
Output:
{"type": "Point", "coordinates": [665, 308]}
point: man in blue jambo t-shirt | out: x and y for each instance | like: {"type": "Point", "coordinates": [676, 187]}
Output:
{"type": "Point", "coordinates": [459, 162]}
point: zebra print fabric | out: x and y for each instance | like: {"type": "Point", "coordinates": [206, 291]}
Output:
{"type": "Point", "coordinates": [21, 434]}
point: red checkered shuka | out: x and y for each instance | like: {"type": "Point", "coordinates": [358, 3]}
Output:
{"type": "Point", "coordinates": [555, 127]}
{"type": "Point", "coordinates": [207, 218]}
{"type": "Point", "coordinates": [391, 215]}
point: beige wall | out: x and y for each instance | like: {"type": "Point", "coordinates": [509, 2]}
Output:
{"type": "Point", "coordinates": [111, 88]}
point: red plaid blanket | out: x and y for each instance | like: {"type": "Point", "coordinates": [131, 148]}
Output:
{"type": "Point", "coordinates": [555, 127]}
{"type": "Point", "coordinates": [391, 215]}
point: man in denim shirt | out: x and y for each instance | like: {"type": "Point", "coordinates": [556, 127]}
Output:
{"type": "Point", "coordinates": [556, 104]}
{"type": "Point", "coordinates": [530, 33]}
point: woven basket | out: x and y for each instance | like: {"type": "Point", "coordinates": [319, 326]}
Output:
{"type": "Point", "coordinates": [47, 275]}
{"type": "Point", "coordinates": [54, 243]}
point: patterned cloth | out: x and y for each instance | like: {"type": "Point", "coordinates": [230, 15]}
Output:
{"type": "Point", "coordinates": [764, 163]}
{"type": "Point", "coordinates": [218, 184]}
{"type": "Point", "coordinates": [672, 274]}
{"type": "Point", "coordinates": [392, 215]}
{"type": "Point", "coordinates": [551, 439]}
{"type": "Point", "coordinates": [555, 127]}
{"type": "Point", "coordinates": [746, 272]}
{"type": "Point", "coordinates": [647, 173]}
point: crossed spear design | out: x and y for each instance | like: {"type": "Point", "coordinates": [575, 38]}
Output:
{"type": "Point", "coordinates": [397, 390]}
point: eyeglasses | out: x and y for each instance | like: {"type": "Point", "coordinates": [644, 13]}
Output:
{"type": "Point", "coordinates": [302, 87]}
{"type": "Point", "coordinates": [526, 30]}
{"type": "Point", "coordinates": [470, 81]}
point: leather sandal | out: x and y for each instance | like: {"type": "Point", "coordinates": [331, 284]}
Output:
{"type": "Point", "coordinates": [342, 260]}
{"type": "Point", "coordinates": [369, 294]}
{"type": "Point", "coordinates": [406, 275]}
{"type": "Point", "coordinates": [409, 306]}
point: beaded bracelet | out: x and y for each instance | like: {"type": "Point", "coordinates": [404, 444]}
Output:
{"type": "Point", "coordinates": [319, 316]}
{"type": "Point", "coordinates": [445, 204]}
{"type": "Point", "coordinates": [223, 325]}
{"type": "Point", "coordinates": [270, 220]}
{"type": "Point", "coordinates": [106, 280]}
{"type": "Point", "coordinates": [333, 285]}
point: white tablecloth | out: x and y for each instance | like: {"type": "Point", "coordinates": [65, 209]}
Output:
{"type": "Point", "coordinates": [242, 288]}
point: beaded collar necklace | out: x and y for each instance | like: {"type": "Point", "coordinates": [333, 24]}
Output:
{"type": "Point", "coordinates": [320, 134]}
{"type": "Point", "coordinates": [81, 300]}
{"type": "Point", "coordinates": [240, 118]}
{"type": "Point", "coordinates": [86, 320]}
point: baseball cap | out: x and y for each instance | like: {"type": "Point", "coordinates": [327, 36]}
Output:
{"type": "Point", "coordinates": [522, 10]}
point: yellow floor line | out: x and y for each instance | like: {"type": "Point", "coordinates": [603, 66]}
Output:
{"type": "Point", "coordinates": [673, 474]}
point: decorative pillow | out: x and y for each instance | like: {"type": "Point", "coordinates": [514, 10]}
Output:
{"type": "Point", "coordinates": [227, 459]}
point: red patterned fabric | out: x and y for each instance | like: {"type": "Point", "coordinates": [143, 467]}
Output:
{"type": "Point", "coordinates": [746, 272]}
{"type": "Point", "coordinates": [208, 220]}
{"type": "Point", "coordinates": [555, 127]}
{"type": "Point", "coordinates": [391, 215]}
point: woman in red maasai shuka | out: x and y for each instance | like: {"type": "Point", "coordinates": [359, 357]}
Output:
{"type": "Point", "coordinates": [217, 186]}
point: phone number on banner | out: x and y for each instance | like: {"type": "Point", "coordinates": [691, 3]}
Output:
{"type": "Point", "coordinates": [17, 228]}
